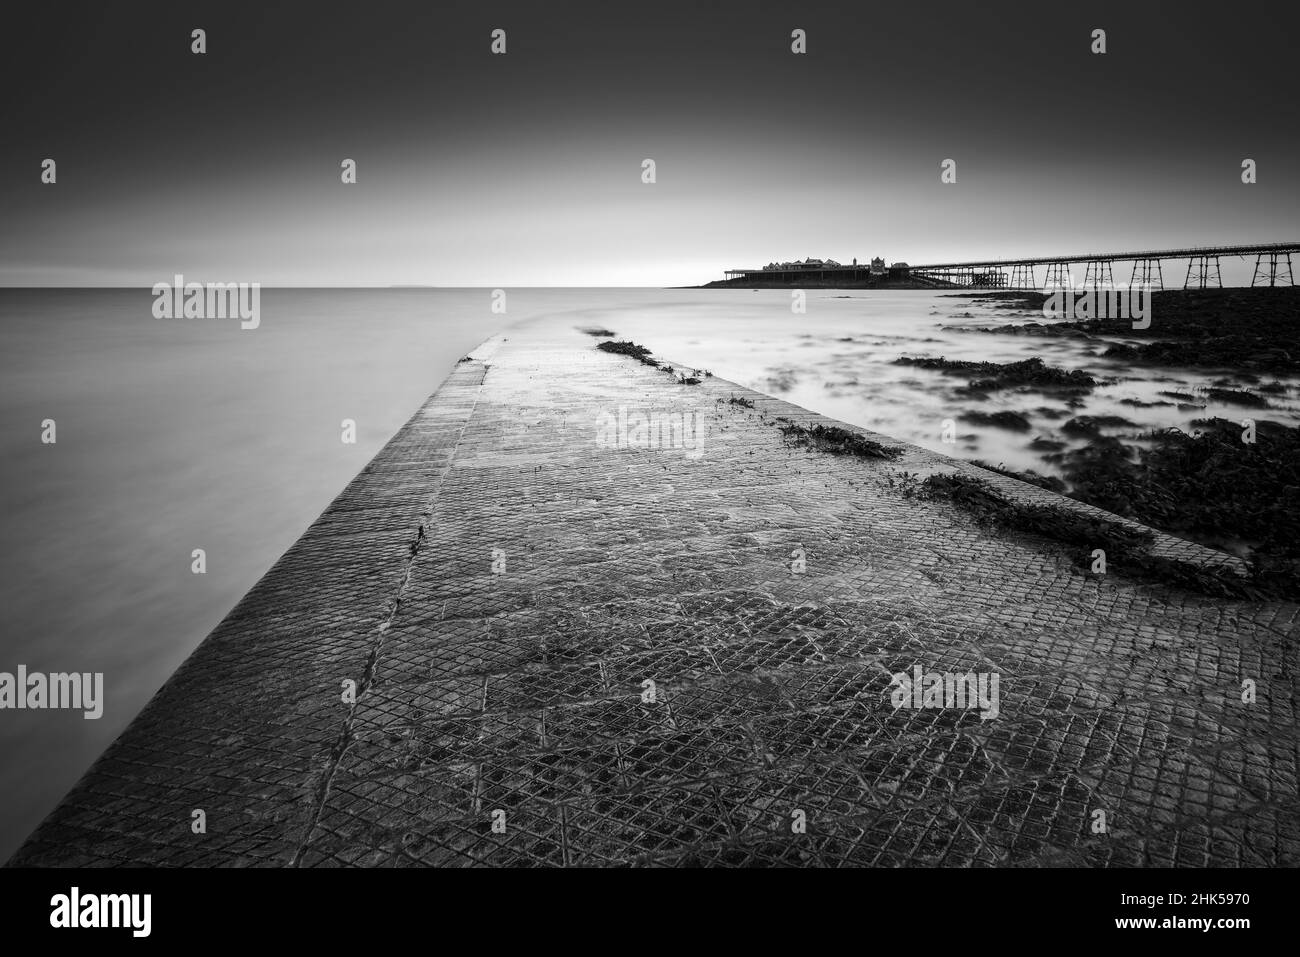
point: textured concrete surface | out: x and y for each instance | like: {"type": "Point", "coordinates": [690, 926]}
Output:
{"type": "Point", "coordinates": [501, 586]}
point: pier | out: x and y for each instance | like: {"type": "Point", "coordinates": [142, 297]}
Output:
{"type": "Point", "coordinates": [512, 640]}
{"type": "Point", "coordinates": [1273, 267]}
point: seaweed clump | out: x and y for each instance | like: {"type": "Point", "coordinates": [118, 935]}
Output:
{"type": "Point", "coordinates": [1211, 486]}
{"type": "Point", "coordinates": [1252, 329]}
{"type": "Point", "coordinates": [1091, 425]}
{"type": "Point", "coordinates": [1237, 397]}
{"type": "Point", "coordinates": [1049, 482]}
{"type": "Point", "coordinates": [629, 348]}
{"type": "Point", "coordinates": [1002, 420]}
{"type": "Point", "coordinates": [837, 441]}
{"type": "Point", "coordinates": [1127, 548]}
{"type": "Point", "coordinates": [990, 376]}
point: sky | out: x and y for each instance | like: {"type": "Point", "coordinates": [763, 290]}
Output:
{"type": "Point", "coordinates": [525, 169]}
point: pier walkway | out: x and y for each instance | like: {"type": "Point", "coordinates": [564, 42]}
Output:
{"type": "Point", "coordinates": [569, 650]}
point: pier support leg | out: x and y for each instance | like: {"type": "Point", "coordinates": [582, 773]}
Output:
{"type": "Point", "coordinates": [1099, 274]}
{"type": "Point", "coordinates": [1022, 277]}
{"type": "Point", "coordinates": [1278, 273]}
{"type": "Point", "coordinates": [1058, 276]}
{"type": "Point", "coordinates": [1205, 271]}
{"type": "Point", "coordinates": [1147, 272]}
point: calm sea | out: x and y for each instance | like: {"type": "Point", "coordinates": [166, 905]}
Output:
{"type": "Point", "coordinates": [177, 435]}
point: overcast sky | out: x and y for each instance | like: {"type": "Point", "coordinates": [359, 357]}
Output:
{"type": "Point", "coordinates": [525, 169]}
